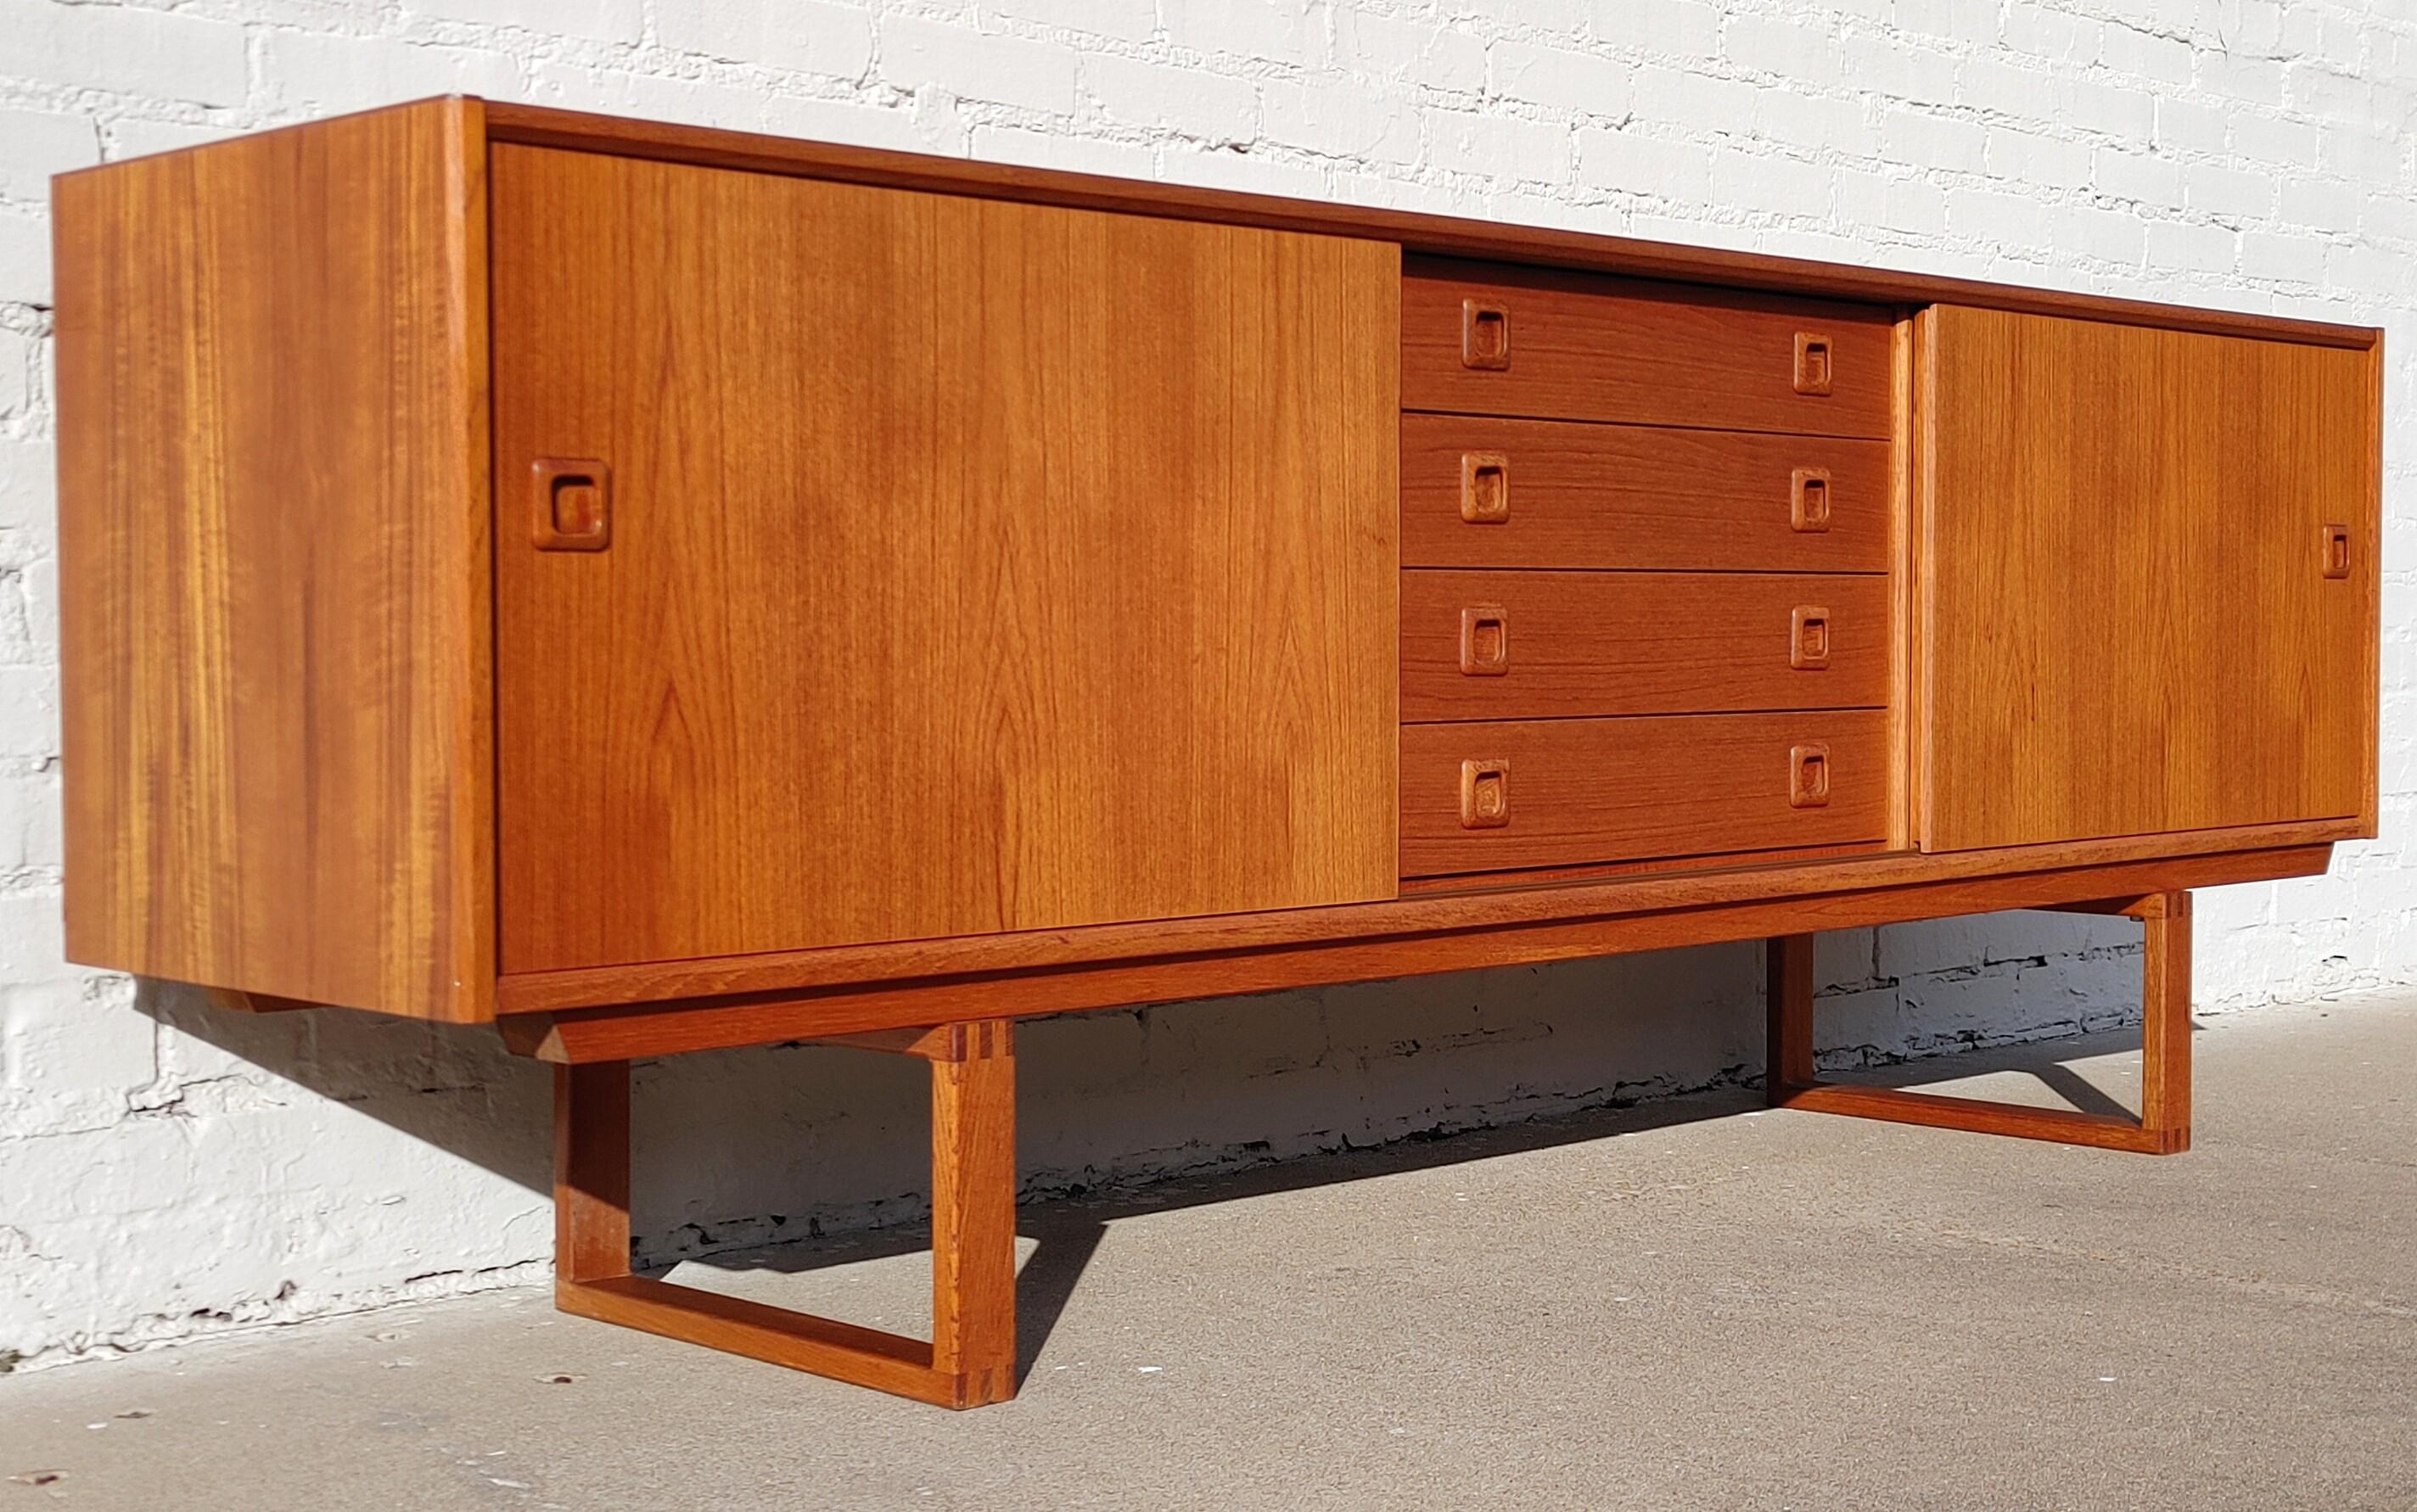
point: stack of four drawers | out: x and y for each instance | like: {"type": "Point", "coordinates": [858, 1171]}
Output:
{"type": "Point", "coordinates": [1646, 554]}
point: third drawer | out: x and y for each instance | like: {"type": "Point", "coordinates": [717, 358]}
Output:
{"type": "Point", "coordinates": [1553, 793]}
{"type": "Point", "coordinates": [1540, 645]}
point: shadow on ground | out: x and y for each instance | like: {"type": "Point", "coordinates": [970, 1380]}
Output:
{"type": "Point", "coordinates": [1068, 1229]}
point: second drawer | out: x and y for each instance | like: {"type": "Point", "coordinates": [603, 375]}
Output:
{"type": "Point", "coordinates": [1552, 793]}
{"type": "Point", "coordinates": [1478, 492]}
{"type": "Point", "coordinates": [1538, 645]}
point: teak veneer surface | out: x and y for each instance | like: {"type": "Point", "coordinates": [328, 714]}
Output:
{"type": "Point", "coordinates": [1580, 643]}
{"type": "Point", "coordinates": [273, 553]}
{"type": "Point", "coordinates": [1606, 790]}
{"type": "Point", "coordinates": [278, 695]}
{"type": "Point", "coordinates": [1413, 230]}
{"type": "Point", "coordinates": [2126, 624]}
{"type": "Point", "coordinates": [1583, 347]}
{"type": "Point", "coordinates": [1586, 495]}
{"type": "Point", "coordinates": [677, 1025]}
{"type": "Point", "coordinates": [1446, 905]}
{"type": "Point", "coordinates": [974, 565]}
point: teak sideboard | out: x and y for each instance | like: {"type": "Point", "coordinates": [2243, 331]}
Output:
{"type": "Point", "coordinates": [656, 589]}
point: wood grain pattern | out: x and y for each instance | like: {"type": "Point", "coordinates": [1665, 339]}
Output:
{"type": "Point", "coordinates": [1586, 495]}
{"type": "Point", "coordinates": [976, 565]}
{"type": "Point", "coordinates": [1589, 348]}
{"type": "Point", "coordinates": [2165, 1019]}
{"type": "Point", "coordinates": [1472, 904]}
{"type": "Point", "coordinates": [861, 1356]}
{"type": "Point", "coordinates": [161, 260]}
{"type": "Point", "coordinates": [1586, 871]}
{"type": "Point", "coordinates": [973, 1213]}
{"type": "Point", "coordinates": [1905, 652]}
{"type": "Point", "coordinates": [1584, 644]}
{"type": "Point", "coordinates": [1603, 789]}
{"type": "Point", "coordinates": [1447, 235]}
{"type": "Point", "coordinates": [686, 1024]}
{"type": "Point", "coordinates": [2126, 624]}
{"type": "Point", "coordinates": [591, 1171]}
{"type": "Point", "coordinates": [1788, 986]}
{"type": "Point", "coordinates": [273, 560]}
{"type": "Point", "coordinates": [2095, 905]}
{"type": "Point", "coordinates": [1974, 1115]}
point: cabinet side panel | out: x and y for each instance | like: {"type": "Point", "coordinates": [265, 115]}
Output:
{"type": "Point", "coordinates": [275, 613]}
{"type": "Point", "coordinates": [2370, 580]}
{"type": "Point", "coordinates": [2130, 622]}
{"type": "Point", "coordinates": [972, 565]}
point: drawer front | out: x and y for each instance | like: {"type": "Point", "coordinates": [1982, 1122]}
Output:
{"type": "Point", "coordinates": [1484, 339]}
{"type": "Point", "coordinates": [1482, 491]}
{"type": "Point", "coordinates": [1545, 646]}
{"type": "Point", "coordinates": [1503, 796]}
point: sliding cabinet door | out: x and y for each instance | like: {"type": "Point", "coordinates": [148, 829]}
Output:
{"type": "Point", "coordinates": [2147, 580]}
{"type": "Point", "coordinates": [878, 564]}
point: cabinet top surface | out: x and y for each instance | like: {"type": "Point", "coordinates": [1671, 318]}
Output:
{"type": "Point", "coordinates": [1416, 232]}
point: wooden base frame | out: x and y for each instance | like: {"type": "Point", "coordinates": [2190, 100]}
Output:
{"type": "Point", "coordinates": [2164, 1124]}
{"type": "Point", "coordinates": [970, 1360]}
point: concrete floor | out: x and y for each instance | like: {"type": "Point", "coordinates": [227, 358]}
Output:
{"type": "Point", "coordinates": [1684, 1305]}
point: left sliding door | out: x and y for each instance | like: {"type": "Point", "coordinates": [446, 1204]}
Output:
{"type": "Point", "coordinates": [874, 565]}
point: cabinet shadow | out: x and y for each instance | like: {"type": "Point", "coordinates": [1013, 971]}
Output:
{"type": "Point", "coordinates": [809, 1130]}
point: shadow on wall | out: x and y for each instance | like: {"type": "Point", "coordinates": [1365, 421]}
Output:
{"type": "Point", "coordinates": [742, 1149]}
{"type": "Point", "coordinates": [451, 1086]}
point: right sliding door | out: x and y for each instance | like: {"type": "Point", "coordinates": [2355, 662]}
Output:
{"type": "Point", "coordinates": [2145, 581]}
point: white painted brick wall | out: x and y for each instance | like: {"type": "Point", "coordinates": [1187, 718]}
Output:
{"type": "Point", "coordinates": [166, 1169]}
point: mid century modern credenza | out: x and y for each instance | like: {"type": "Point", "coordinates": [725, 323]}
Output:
{"type": "Point", "coordinates": [655, 589]}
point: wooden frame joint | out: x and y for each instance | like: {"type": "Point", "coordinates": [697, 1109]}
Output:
{"type": "Point", "coordinates": [952, 1043]}
{"type": "Point", "coordinates": [2147, 906]}
{"type": "Point", "coordinates": [2163, 1126]}
{"type": "Point", "coordinates": [970, 1359]}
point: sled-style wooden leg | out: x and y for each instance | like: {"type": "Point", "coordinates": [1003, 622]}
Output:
{"type": "Point", "coordinates": [971, 1358]}
{"type": "Point", "coordinates": [2163, 1126]}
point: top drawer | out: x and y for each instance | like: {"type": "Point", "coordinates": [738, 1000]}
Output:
{"type": "Point", "coordinates": [1489, 338]}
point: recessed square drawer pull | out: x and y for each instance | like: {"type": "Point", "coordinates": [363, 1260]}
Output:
{"type": "Point", "coordinates": [1812, 363]}
{"type": "Point", "coordinates": [1808, 494]}
{"type": "Point", "coordinates": [1484, 795]}
{"type": "Point", "coordinates": [1808, 777]}
{"type": "Point", "coordinates": [571, 505]}
{"type": "Point", "coordinates": [1484, 488]}
{"type": "Point", "coordinates": [1484, 335]}
{"type": "Point", "coordinates": [1484, 640]}
{"type": "Point", "coordinates": [2337, 550]}
{"type": "Point", "coordinates": [1808, 638]}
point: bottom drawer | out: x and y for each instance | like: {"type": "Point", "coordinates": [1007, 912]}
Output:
{"type": "Point", "coordinates": [1503, 796]}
